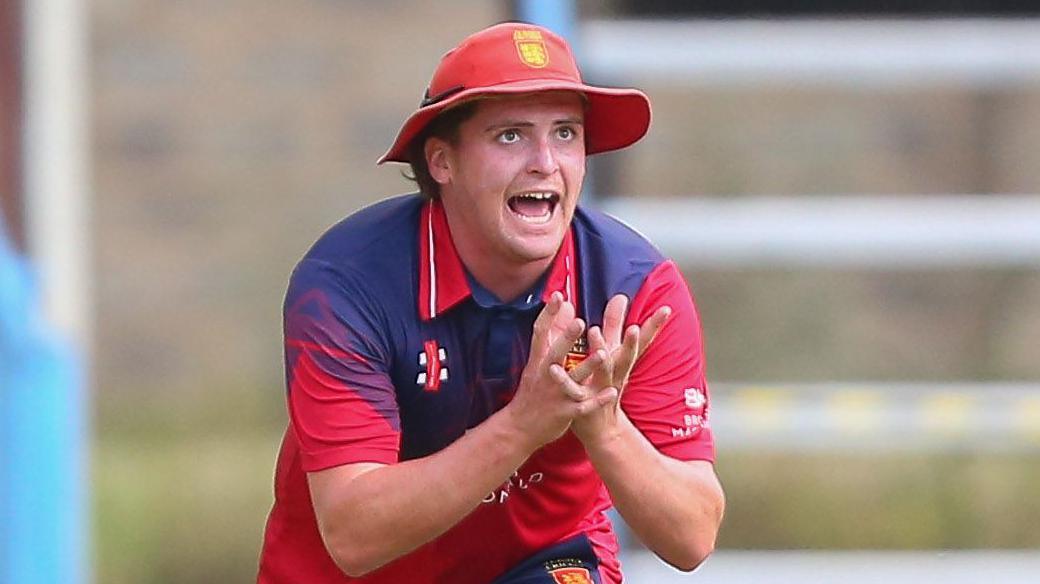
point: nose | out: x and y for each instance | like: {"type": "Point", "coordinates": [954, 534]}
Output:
{"type": "Point", "coordinates": [542, 159]}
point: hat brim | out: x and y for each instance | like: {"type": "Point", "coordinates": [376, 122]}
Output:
{"type": "Point", "coordinates": [614, 117]}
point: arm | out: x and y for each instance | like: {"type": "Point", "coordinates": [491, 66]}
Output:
{"type": "Point", "coordinates": [674, 506]}
{"type": "Point", "coordinates": [370, 514]}
{"type": "Point", "coordinates": [654, 453]}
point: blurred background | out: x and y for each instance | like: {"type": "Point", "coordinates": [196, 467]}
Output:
{"type": "Point", "coordinates": [850, 190]}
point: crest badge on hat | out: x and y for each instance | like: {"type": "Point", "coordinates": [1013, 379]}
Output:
{"type": "Point", "coordinates": [531, 48]}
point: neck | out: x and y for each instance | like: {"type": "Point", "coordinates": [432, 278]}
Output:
{"type": "Point", "coordinates": [505, 281]}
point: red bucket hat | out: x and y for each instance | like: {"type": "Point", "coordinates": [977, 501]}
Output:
{"type": "Point", "coordinates": [514, 58]}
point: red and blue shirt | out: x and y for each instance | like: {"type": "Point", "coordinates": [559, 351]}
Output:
{"type": "Point", "coordinates": [392, 352]}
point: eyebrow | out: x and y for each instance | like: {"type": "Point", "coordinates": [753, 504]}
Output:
{"type": "Point", "coordinates": [526, 124]}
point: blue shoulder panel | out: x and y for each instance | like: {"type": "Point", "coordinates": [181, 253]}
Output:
{"type": "Point", "coordinates": [614, 258]}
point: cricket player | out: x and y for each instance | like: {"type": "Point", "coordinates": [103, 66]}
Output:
{"type": "Point", "coordinates": [478, 372]}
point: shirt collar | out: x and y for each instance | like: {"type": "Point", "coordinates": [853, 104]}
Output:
{"type": "Point", "coordinates": [442, 277]}
{"type": "Point", "coordinates": [486, 298]}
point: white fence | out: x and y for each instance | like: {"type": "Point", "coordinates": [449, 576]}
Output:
{"type": "Point", "coordinates": [852, 230]}
{"type": "Point", "coordinates": [846, 52]}
{"type": "Point", "coordinates": [864, 233]}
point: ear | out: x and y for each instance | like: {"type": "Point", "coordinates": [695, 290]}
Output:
{"type": "Point", "coordinates": [438, 160]}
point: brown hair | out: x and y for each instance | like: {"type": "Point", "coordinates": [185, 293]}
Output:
{"type": "Point", "coordinates": [446, 127]}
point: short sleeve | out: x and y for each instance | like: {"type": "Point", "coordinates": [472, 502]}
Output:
{"type": "Point", "coordinates": [667, 394]}
{"type": "Point", "coordinates": [342, 404]}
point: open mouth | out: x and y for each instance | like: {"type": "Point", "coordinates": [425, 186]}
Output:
{"type": "Point", "coordinates": [534, 207]}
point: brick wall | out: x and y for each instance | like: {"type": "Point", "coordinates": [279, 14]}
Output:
{"type": "Point", "coordinates": [228, 135]}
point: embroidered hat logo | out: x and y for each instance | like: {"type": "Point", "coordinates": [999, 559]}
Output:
{"type": "Point", "coordinates": [531, 48]}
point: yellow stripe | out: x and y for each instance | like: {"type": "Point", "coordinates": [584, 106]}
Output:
{"type": "Point", "coordinates": [855, 410]}
{"type": "Point", "coordinates": [947, 413]}
{"type": "Point", "coordinates": [764, 408]}
{"type": "Point", "coordinates": [1027, 418]}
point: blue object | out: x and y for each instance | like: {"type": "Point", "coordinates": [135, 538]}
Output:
{"type": "Point", "coordinates": [558, 16]}
{"type": "Point", "coordinates": [42, 439]}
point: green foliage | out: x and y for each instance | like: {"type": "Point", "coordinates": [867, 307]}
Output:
{"type": "Point", "coordinates": [182, 488]}
{"type": "Point", "coordinates": [906, 501]}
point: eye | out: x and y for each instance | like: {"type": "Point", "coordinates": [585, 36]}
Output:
{"type": "Point", "coordinates": [509, 137]}
{"type": "Point", "coordinates": [565, 133]}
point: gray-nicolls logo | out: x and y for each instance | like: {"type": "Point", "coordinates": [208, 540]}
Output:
{"type": "Point", "coordinates": [435, 359]}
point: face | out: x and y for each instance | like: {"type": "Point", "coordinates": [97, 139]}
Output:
{"type": "Point", "coordinates": [511, 181]}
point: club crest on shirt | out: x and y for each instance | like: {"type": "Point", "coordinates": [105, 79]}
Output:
{"type": "Point", "coordinates": [578, 353]}
{"type": "Point", "coordinates": [568, 571]}
{"type": "Point", "coordinates": [571, 576]}
{"type": "Point", "coordinates": [435, 359]}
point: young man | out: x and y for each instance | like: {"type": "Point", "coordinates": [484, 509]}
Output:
{"type": "Point", "coordinates": [451, 416]}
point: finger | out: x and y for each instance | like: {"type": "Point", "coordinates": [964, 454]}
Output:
{"type": "Point", "coordinates": [566, 312]}
{"type": "Point", "coordinates": [652, 326]}
{"type": "Point", "coordinates": [561, 345]}
{"type": "Point", "coordinates": [597, 343]}
{"type": "Point", "coordinates": [614, 319]}
{"type": "Point", "coordinates": [605, 398]}
{"type": "Point", "coordinates": [544, 323]}
{"type": "Point", "coordinates": [593, 363]}
{"type": "Point", "coordinates": [596, 340]}
{"type": "Point", "coordinates": [625, 356]}
{"type": "Point", "coordinates": [570, 388]}
{"type": "Point", "coordinates": [561, 320]}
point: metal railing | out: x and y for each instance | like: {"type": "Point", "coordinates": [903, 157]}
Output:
{"type": "Point", "coordinates": [836, 52]}
{"type": "Point", "coordinates": [838, 231]}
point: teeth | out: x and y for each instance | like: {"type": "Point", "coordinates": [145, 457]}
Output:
{"type": "Point", "coordinates": [545, 196]}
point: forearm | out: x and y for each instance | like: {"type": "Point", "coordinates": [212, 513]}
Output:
{"type": "Point", "coordinates": [391, 510]}
{"type": "Point", "coordinates": [673, 506]}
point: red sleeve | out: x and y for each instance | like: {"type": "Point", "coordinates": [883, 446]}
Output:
{"type": "Point", "coordinates": [342, 403]}
{"type": "Point", "coordinates": [667, 394]}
